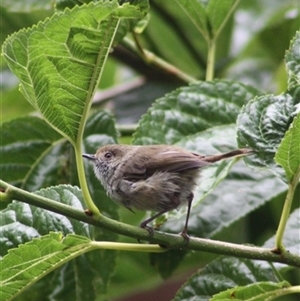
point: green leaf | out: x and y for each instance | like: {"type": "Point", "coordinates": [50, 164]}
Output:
{"type": "Point", "coordinates": [288, 154]}
{"type": "Point", "coordinates": [192, 109]}
{"type": "Point", "coordinates": [27, 147]}
{"type": "Point", "coordinates": [195, 11]}
{"type": "Point", "coordinates": [210, 18]}
{"type": "Point", "coordinates": [259, 291]}
{"type": "Point", "coordinates": [26, 221]}
{"type": "Point", "coordinates": [60, 61]}
{"type": "Point", "coordinates": [30, 262]}
{"type": "Point", "coordinates": [176, 30]}
{"type": "Point", "coordinates": [292, 61]}
{"type": "Point", "coordinates": [263, 123]}
{"type": "Point", "coordinates": [221, 274]}
{"type": "Point", "coordinates": [99, 130]}
{"type": "Point", "coordinates": [218, 12]}
{"type": "Point", "coordinates": [266, 30]}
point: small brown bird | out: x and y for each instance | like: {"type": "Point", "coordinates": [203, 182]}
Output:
{"type": "Point", "coordinates": [152, 177]}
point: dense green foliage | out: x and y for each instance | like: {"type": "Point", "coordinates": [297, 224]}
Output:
{"type": "Point", "coordinates": [207, 75]}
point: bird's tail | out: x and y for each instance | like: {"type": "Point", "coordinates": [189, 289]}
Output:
{"type": "Point", "coordinates": [234, 153]}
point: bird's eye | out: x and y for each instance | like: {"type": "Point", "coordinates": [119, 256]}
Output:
{"type": "Point", "coordinates": [108, 155]}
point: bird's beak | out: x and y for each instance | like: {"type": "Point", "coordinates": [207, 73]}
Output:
{"type": "Point", "coordinates": [89, 157]}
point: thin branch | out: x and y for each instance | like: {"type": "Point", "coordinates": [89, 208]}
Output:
{"type": "Point", "coordinates": [151, 58]}
{"type": "Point", "coordinates": [169, 241]}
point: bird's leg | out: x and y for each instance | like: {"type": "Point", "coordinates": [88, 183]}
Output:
{"type": "Point", "coordinates": [145, 222]}
{"type": "Point", "coordinates": [184, 231]}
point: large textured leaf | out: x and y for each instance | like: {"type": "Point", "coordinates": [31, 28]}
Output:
{"type": "Point", "coordinates": [29, 221]}
{"type": "Point", "coordinates": [59, 62]}
{"type": "Point", "coordinates": [24, 266]}
{"type": "Point", "coordinates": [222, 274]}
{"type": "Point", "coordinates": [27, 144]}
{"type": "Point", "coordinates": [263, 123]}
{"type": "Point", "coordinates": [192, 109]}
{"type": "Point", "coordinates": [292, 61]}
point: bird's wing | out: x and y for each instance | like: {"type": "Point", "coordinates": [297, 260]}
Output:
{"type": "Point", "coordinates": [163, 159]}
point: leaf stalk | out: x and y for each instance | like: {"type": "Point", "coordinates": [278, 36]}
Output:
{"type": "Point", "coordinates": [286, 212]}
{"type": "Point", "coordinates": [83, 183]}
{"type": "Point", "coordinates": [211, 60]}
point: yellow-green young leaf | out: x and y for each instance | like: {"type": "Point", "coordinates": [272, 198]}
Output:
{"type": "Point", "coordinates": [259, 291]}
{"type": "Point", "coordinates": [60, 61]}
{"type": "Point", "coordinates": [288, 153]}
{"type": "Point", "coordinates": [30, 262]}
